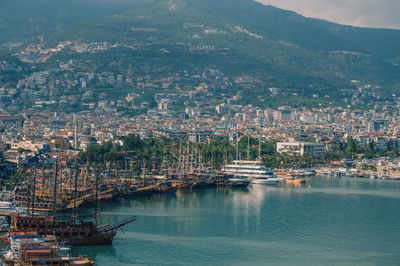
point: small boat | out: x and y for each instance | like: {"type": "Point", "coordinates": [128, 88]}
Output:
{"type": "Point", "coordinates": [237, 182]}
{"type": "Point", "coordinates": [266, 181]}
{"type": "Point", "coordinates": [296, 180]}
{"type": "Point", "coordinates": [308, 172]}
{"type": "Point", "coordinates": [164, 187]}
{"type": "Point", "coordinates": [7, 208]}
{"type": "Point", "coordinates": [81, 261]}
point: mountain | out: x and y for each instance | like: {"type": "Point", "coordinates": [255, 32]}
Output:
{"type": "Point", "coordinates": [313, 34]}
{"type": "Point", "coordinates": [21, 19]}
{"type": "Point", "coordinates": [257, 46]}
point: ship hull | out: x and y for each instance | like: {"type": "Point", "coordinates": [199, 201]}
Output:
{"type": "Point", "coordinates": [74, 234]}
{"type": "Point", "coordinates": [264, 182]}
{"type": "Point", "coordinates": [100, 239]}
{"type": "Point", "coordinates": [237, 182]}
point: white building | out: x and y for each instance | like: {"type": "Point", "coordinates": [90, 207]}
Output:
{"type": "Point", "coordinates": [164, 104]}
{"type": "Point", "coordinates": [283, 115]}
{"type": "Point", "coordinates": [199, 136]}
{"type": "Point", "coordinates": [362, 141]}
{"type": "Point", "coordinates": [301, 148]}
{"type": "Point", "coordinates": [377, 125]}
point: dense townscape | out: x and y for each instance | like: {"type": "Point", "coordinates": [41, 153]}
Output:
{"type": "Point", "coordinates": [229, 98]}
{"type": "Point", "coordinates": [355, 138]}
{"type": "Point", "coordinates": [70, 107]}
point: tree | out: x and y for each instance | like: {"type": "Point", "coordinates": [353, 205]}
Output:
{"type": "Point", "coordinates": [352, 145]}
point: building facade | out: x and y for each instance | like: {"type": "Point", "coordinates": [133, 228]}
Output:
{"type": "Point", "coordinates": [301, 148]}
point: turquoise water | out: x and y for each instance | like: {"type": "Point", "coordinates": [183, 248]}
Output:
{"type": "Point", "coordinates": [330, 221]}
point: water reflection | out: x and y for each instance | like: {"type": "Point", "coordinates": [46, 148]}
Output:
{"type": "Point", "coordinates": [96, 251]}
{"type": "Point", "coordinates": [338, 220]}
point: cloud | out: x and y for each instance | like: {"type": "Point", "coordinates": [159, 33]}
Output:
{"type": "Point", "coordinates": [364, 13]}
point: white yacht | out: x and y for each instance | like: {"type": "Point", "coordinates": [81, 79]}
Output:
{"type": "Point", "coordinates": [6, 208]}
{"type": "Point", "coordinates": [251, 172]}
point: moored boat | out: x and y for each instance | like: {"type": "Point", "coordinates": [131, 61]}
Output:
{"type": "Point", "coordinates": [296, 180]}
{"type": "Point", "coordinates": [236, 182]}
{"type": "Point", "coordinates": [245, 171]}
{"type": "Point", "coordinates": [33, 249]}
{"type": "Point", "coordinates": [266, 181]}
{"type": "Point", "coordinates": [7, 208]}
{"type": "Point", "coordinates": [68, 231]}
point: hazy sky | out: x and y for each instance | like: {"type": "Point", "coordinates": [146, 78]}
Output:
{"type": "Point", "coordinates": [368, 13]}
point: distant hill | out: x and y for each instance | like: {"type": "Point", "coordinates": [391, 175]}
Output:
{"type": "Point", "coordinates": [313, 34]}
{"type": "Point", "coordinates": [277, 48]}
{"type": "Point", "coordinates": [21, 19]}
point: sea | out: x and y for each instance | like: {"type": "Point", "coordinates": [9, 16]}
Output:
{"type": "Point", "coordinates": [327, 221]}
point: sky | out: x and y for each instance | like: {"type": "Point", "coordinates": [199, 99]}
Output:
{"type": "Point", "coordinates": [364, 13]}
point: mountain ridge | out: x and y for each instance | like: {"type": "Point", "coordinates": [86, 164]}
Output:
{"type": "Point", "coordinates": [21, 20]}
{"type": "Point", "coordinates": [294, 22]}
{"type": "Point", "coordinates": [278, 48]}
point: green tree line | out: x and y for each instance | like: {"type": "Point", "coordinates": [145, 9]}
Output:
{"type": "Point", "coordinates": [151, 152]}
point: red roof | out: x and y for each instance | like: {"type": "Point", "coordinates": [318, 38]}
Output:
{"type": "Point", "coordinates": [376, 133]}
{"type": "Point", "coordinates": [62, 133]}
{"type": "Point", "coordinates": [337, 163]}
{"type": "Point", "coordinates": [9, 155]}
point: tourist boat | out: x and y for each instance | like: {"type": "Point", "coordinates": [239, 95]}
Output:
{"type": "Point", "coordinates": [207, 183]}
{"type": "Point", "coordinates": [82, 233]}
{"type": "Point", "coordinates": [38, 205]}
{"type": "Point", "coordinates": [68, 230]}
{"type": "Point", "coordinates": [236, 181]}
{"type": "Point", "coordinates": [6, 208]}
{"type": "Point", "coordinates": [164, 187]}
{"type": "Point", "coordinates": [307, 172]}
{"type": "Point", "coordinates": [244, 171]}
{"type": "Point", "coordinates": [295, 177]}
{"type": "Point", "coordinates": [34, 249]}
{"type": "Point", "coordinates": [296, 180]}
{"type": "Point", "coordinates": [265, 181]}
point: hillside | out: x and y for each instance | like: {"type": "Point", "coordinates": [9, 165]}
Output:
{"type": "Point", "coordinates": [254, 46]}
{"type": "Point", "coordinates": [22, 19]}
{"type": "Point", "coordinates": [313, 34]}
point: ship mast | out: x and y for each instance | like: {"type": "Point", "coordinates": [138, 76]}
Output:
{"type": "Point", "coordinates": [55, 193]}
{"type": "Point", "coordinates": [237, 146]}
{"type": "Point", "coordinates": [75, 134]}
{"type": "Point", "coordinates": [76, 192]}
{"type": "Point", "coordinates": [96, 194]}
{"type": "Point", "coordinates": [28, 190]}
{"type": "Point", "coordinates": [248, 147]}
{"type": "Point", "coordinates": [34, 189]}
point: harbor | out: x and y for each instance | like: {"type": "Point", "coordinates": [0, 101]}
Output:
{"type": "Point", "coordinates": [329, 220]}
{"type": "Point", "coordinates": [78, 209]}
{"type": "Point", "coordinates": [199, 132]}
{"type": "Point", "coordinates": [57, 212]}
{"type": "Point", "coordinates": [41, 206]}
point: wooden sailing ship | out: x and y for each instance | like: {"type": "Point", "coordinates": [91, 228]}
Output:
{"type": "Point", "coordinates": [70, 231]}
